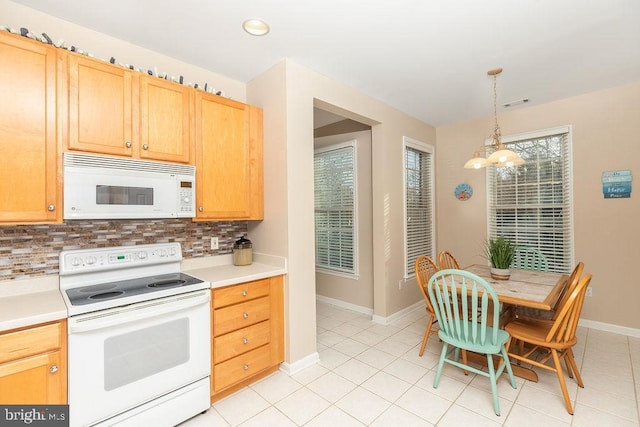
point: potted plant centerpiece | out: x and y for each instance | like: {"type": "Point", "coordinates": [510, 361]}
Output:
{"type": "Point", "coordinates": [500, 253]}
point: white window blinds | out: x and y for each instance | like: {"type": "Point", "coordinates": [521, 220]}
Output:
{"type": "Point", "coordinates": [532, 203]}
{"type": "Point", "coordinates": [335, 198]}
{"type": "Point", "coordinates": [419, 207]}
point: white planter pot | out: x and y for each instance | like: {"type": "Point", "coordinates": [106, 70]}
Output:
{"type": "Point", "coordinates": [500, 273]}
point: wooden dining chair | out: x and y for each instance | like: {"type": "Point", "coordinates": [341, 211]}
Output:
{"type": "Point", "coordinates": [551, 315]}
{"type": "Point", "coordinates": [451, 289]}
{"type": "Point", "coordinates": [556, 338]}
{"type": "Point", "coordinates": [424, 269]}
{"type": "Point", "coordinates": [446, 260]}
{"type": "Point", "coordinates": [527, 258]}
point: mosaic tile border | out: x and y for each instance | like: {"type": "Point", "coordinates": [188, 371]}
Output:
{"type": "Point", "coordinates": [33, 250]}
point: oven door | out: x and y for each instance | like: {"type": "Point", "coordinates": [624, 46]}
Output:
{"type": "Point", "coordinates": [121, 358]}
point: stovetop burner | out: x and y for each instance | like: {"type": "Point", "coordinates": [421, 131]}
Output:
{"type": "Point", "coordinates": [166, 283]}
{"type": "Point", "coordinates": [126, 288]}
{"type": "Point", "coordinates": [106, 295]}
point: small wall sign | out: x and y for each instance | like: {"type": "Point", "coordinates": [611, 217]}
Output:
{"type": "Point", "coordinates": [463, 192]}
{"type": "Point", "coordinates": [616, 184]}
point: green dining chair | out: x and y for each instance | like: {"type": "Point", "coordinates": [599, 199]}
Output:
{"type": "Point", "coordinates": [471, 333]}
{"type": "Point", "coordinates": [527, 258]}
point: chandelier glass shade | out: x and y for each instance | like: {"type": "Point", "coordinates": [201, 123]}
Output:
{"type": "Point", "coordinates": [501, 155]}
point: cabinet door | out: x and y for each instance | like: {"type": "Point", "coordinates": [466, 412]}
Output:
{"type": "Point", "coordinates": [29, 185]}
{"type": "Point", "coordinates": [257, 161]}
{"type": "Point", "coordinates": [165, 132]}
{"type": "Point", "coordinates": [35, 380]}
{"type": "Point", "coordinates": [222, 158]}
{"type": "Point", "coordinates": [100, 107]}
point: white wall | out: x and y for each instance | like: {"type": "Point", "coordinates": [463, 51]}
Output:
{"type": "Point", "coordinates": [305, 88]}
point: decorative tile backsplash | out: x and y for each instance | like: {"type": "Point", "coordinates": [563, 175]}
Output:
{"type": "Point", "coordinates": [33, 250]}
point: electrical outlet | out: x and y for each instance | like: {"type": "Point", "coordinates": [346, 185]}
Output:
{"type": "Point", "coordinates": [589, 291]}
{"type": "Point", "coordinates": [400, 283]}
{"type": "Point", "coordinates": [214, 243]}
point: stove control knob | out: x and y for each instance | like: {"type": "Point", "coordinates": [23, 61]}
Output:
{"type": "Point", "coordinates": [142, 254]}
{"type": "Point", "coordinates": [172, 251]}
{"type": "Point", "coordinates": [76, 261]}
{"type": "Point", "coordinates": [91, 260]}
{"type": "Point", "coordinates": [162, 253]}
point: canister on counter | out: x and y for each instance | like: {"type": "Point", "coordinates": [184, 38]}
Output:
{"type": "Point", "coordinates": [242, 252]}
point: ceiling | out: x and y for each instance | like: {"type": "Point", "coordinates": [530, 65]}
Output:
{"type": "Point", "coordinates": [427, 58]}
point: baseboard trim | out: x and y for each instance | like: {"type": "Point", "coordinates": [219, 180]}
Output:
{"type": "Point", "coordinates": [342, 304]}
{"type": "Point", "coordinates": [299, 365]}
{"type": "Point", "coordinates": [398, 314]}
{"type": "Point", "coordinates": [609, 327]}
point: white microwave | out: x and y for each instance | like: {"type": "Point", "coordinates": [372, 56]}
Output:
{"type": "Point", "coordinates": [100, 187]}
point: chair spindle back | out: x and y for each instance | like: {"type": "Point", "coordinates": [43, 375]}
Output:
{"type": "Point", "coordinates": [453, 294]}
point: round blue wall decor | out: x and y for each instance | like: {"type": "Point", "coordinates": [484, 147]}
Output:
{"type": "Point", "coordinates": [463, 192]}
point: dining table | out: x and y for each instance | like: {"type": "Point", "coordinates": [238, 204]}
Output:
{"type": "Point", "coordinates": [525, 288]}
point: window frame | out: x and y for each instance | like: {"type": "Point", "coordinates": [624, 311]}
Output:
{"type": "Point", "coordinates": [567, 131]}
{"type": "Point", "coordinates": [353, 143]}
{"type": "Point", "coordinates": [407, 142]}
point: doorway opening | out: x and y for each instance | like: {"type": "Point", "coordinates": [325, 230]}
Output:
{"type": "Point", "coordinates": [344, 227]}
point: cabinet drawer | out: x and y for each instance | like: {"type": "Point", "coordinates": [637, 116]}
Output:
{"type": "Point", "coordinates": [34, 380]}
{"type": "Point", "coordinates": [238, 316]}
{"type": "Point", "coordinates": [26, 342]}
{"type": "Point", "coordinates": [240, 341]}
{"type": "Point", "coordinates": [238, 293]}
{"type": "Point", "coordinates": [240, 367]}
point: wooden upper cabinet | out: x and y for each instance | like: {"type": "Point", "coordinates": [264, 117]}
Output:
{"type": "Point", "coordinates": [29, 186]}
{"type": "Point", "coordinates": [113, 110]}
{"type": "Point", "coordinates": [100, 107]}
{"type": "Point", "coordinates": [228, 159]}
{"type": "Point", "coordinates": [165, 120]}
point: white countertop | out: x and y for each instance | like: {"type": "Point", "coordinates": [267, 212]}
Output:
{"type": "Point", "coordinates": [220, 271]}
{"type": "Point", "coordinates": [28, 302]}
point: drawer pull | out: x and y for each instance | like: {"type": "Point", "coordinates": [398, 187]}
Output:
{"type": "Point", "coordinates": [53, 369]}
{"type": "Point", "coordinates": [245, 340]}
{"type": "Point", "coordinates": [245, 366]}
{"type": "Point", "coordinates": [245, 315]}
{"type": "Point", "coordinates": [244, 293]}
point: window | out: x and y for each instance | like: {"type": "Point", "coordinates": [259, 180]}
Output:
{"type": "Point", "coordinates": [335, 208]}
{"type": "Point", "coordinates": [418, 202]}
{"type": "Point", "coordinates": [532, 203]}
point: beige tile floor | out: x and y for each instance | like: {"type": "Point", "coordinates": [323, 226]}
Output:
{"type": "Point", "coordinates": [370, 374]}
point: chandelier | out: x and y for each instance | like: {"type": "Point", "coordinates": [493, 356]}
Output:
{"type": "Point", "coordinates": [501, 155]}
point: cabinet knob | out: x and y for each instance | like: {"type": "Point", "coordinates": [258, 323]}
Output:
{"type": "Point", "coordinates": [145, 146]}
{"type": "Point", "coordinates": [51, 207]}
{"type": "Point", "coordinates": [53, 369]}
{"type": "Point", "coordinates": [244, 293]}
{"type": "Point", "coordinates": [245, 315]}
{"type": "Point", "coordinates": [200, 209]}
{"type": "Point", "coordinates": [128, 144]}
{"type": "Point", "coordinates": [245, 366]}
{"type": "Point", "coordinates": [245, 340]}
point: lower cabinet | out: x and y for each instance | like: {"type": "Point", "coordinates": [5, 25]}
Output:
{"type": "Point", "coordinates": [248, 333]}
{"type": "Point", "coordinates": [33, 365]}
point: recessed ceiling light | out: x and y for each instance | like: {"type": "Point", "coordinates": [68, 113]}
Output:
{"type": "Point", "coordinates": [255, 27]}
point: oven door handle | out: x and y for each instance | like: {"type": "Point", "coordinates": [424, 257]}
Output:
{"type": "Point", "coordinates": [122, 315]}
